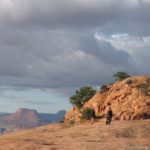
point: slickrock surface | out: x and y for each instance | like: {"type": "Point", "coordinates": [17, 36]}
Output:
{"type": "Point", "coordinates": [120, 135]}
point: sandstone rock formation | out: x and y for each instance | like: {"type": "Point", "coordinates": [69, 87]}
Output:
{"type": "Point", "coordinates": [27, 118]}
{"type": "Point", "coordinates": [23, 118]}
{"type": "Point", "coordinates": [127, 98]}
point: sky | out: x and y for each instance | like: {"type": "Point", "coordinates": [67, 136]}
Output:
{"type": "Point", "coordinates": [50, 48]}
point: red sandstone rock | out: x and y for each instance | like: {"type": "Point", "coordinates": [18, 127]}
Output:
{"type": "Point", "coordinates": [128, 101]}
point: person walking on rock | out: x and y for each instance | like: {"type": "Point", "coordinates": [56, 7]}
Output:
{"type": "Point", "coordinates": [109, 116]}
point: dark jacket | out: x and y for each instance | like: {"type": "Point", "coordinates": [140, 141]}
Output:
{"type": "Point", "coordinates": [109, 114]}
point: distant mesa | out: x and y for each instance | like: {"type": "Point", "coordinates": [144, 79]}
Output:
{"type": "Point", "coordinates": [27, 118]}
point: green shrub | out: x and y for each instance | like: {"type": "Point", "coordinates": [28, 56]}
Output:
{"type": "Point", "coordinates": [145, 86]}
{"type": "Point", "coordinates": [129, 82]}
{"type": "Point", "coordinates": [121, 76]}
{"type": "Point", "coordinates": [87, 114]}
{"type": "Point", "coordinates": [81, 96]}
{"type": "Point", "coordinates": [117, 89]}
{"type": "Point", "coordinates": [147, 81]}
{"type": "Point", "coordinates": [103, 88]}
{"type": "Point", "coordinates": [71, 122]}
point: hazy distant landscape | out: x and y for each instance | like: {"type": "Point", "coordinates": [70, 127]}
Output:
{"type": "Point", "coordinates": [27, 118]}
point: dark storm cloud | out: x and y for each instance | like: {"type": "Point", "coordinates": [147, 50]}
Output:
{"type": "Point", "coordinates": [53, 44]}
{"type": "Point", "coordinates": [57, 60]}
{"type": "Point", "coordinates": [108, 15]}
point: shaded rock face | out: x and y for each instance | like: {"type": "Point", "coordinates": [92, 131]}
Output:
{"type": "Point", "coordinates": [128, 101]}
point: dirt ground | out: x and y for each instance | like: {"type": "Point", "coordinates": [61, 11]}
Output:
{"type": "Point", "coordinates": [120, 135]}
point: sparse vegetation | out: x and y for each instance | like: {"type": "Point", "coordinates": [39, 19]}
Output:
{"type": "Point", "coordinates": [148, 82]}
{"type": "Point", "coordinates": [81, 96]}
{"type": "Point", "coordinates": [117, 89]}
{"type": "Point", "coordinates": [145, 86]}
{"type": "Point", "coordinates": [103, 88]}
{"type": "Point", "coordinates": [129, 82]}
{"type": "Point", "coordinates": [121, 76]}
{"type": "Point", "coordinates": [72, 122]}
{"type": "Point", "coordinates": [87, 114]}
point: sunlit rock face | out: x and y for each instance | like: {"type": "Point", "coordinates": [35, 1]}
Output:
{"type": "Point", "coordinates": [127, 98]}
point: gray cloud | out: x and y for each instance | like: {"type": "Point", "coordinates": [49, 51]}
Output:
{"type": "Point", "coordinates": [107, 15]}
{"type": "Point", "coordinates": [63, 60]}
{"type": "Point", "coordinates": [51, 44]}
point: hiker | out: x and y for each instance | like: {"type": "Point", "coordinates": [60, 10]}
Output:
{"type": "Point", "coordinates": [109, 116]}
